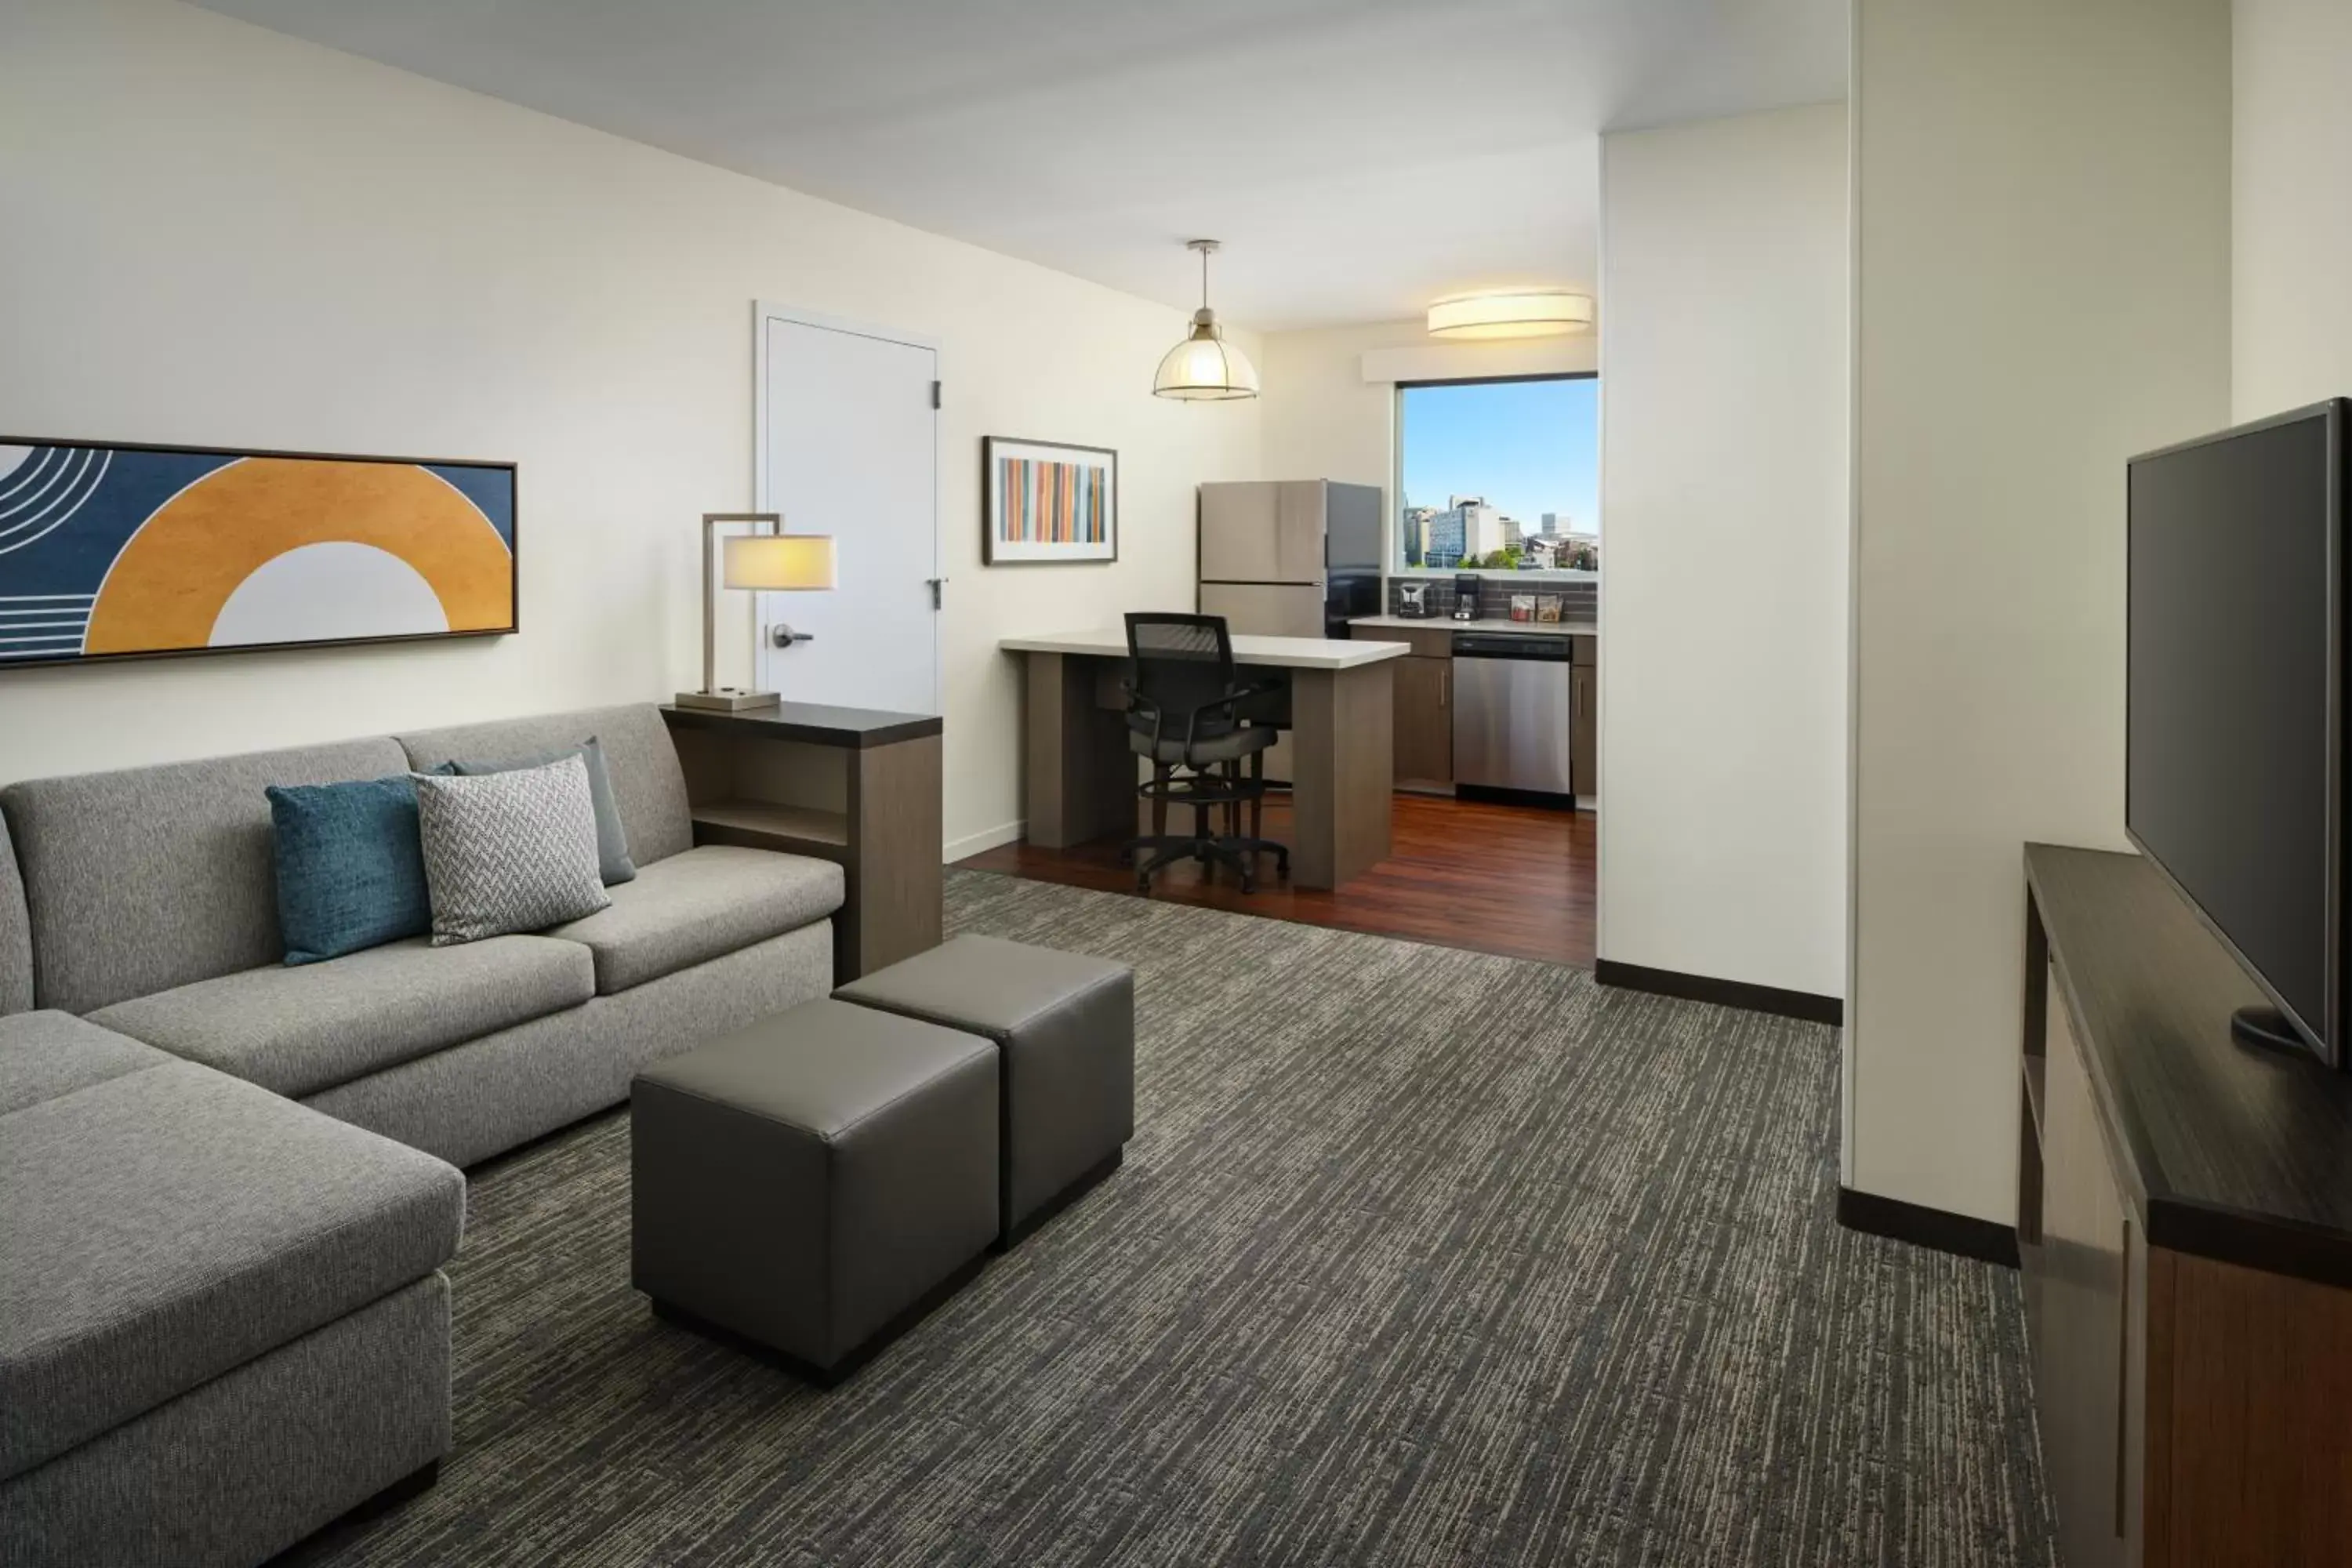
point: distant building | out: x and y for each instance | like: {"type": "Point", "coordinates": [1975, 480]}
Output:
{"type": "Point", "coordinates": [1417, 533]}
{"type": "Point", "coordinates": [1467, 529]}
{"type": "Point", "coordinates": [1482, 529]}
{"type": "Point", "coordinates": [1443, 546]}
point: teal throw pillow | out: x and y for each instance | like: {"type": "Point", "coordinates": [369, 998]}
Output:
{"type": "Point", "coordinates": [613, 860]}
{"type": "Point", "coordinates": [351, 871]}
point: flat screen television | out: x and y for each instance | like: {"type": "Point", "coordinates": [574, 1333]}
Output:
{"type": "Point", "coordinates": [2235, 720]}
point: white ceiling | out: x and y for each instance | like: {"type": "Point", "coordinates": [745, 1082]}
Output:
{"type": "Point", "coordinates": [1358, 157]}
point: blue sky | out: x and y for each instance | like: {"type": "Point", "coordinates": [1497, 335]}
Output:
{"type": "Point", "coordinates": [1529, 447]}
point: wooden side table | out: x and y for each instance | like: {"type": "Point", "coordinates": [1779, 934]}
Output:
{"type": "Point", "coordinates": [852, 786]}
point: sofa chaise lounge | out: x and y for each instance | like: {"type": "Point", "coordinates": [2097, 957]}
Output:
{"type": "Point", "coordinates": [226, 1185]}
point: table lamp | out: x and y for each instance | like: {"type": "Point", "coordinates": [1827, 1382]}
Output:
{"type": "Point", "coordinates": [774, 561]}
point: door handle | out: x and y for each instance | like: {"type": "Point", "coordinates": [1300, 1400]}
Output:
{"type": "Point", "coordinates": [935, 585]}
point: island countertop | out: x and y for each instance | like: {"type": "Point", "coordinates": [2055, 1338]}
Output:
{"type": "Point", "coordinates": [1277, 653]}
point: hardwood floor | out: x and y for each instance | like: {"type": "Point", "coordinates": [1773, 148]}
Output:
{"type": "Point", "coordinates": [1513, 880]}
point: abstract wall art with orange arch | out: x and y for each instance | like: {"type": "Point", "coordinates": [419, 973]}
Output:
{"type": "Point", "coordinates": [114, 552]}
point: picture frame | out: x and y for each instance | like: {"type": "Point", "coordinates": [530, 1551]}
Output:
{"type": "Point", "coordinates": [114, 550]}
{"type": "Point", "coordinates": [1045, 503]}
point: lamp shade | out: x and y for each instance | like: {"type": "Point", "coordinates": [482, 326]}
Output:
{"type": "Point", "coordinates": [780, 561]}
{"type": "Point", "coordinates": [1534, 313]}
{"type": "Point", "coordinates": [1204, 367]}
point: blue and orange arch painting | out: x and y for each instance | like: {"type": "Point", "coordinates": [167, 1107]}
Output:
{"type": "Point", "coordinates": [108, 551]}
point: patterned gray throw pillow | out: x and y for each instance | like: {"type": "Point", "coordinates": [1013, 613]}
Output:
{"type": "Point", "coordinates": [508, 852]}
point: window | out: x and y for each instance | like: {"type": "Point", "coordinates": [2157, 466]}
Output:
{"type": "Point", "coordinates": [1499, 475]}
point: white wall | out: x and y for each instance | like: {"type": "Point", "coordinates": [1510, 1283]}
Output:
{"type": "Point", "coordinates": [1724, 469]}
{"type": "Point", "coordinates": [1321, 419]}
{"type": "Point", "coordinates": [2291, 276]}
{"type": "Point", "coordinates": [2042, 207]}
{"type": "Point", "coordinates": [217, 235]}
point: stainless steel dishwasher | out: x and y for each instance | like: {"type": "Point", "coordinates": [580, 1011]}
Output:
{"type": "Point", "coordinates": [1511, 721]}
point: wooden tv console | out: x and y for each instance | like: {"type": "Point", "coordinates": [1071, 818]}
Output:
{"type": "Point", "coordinates": [2185, 1229]}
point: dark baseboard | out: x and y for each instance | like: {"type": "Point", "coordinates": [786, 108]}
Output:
{"type": "Point", "coordinates": [1496, 795]}
{"type": "Point", "coordinates": [1923, 1226]}
{"type": "Point", "coordinates": [1769, 999]}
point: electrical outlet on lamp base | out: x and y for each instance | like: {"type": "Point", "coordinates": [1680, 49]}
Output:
{"type": "Point", "coordinates": [734, 699]}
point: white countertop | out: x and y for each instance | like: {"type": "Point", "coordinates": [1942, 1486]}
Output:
{"type": "Point", "coordinates": [1483, 624]}
{"type": "Point", "coordinates": [1280, 653]}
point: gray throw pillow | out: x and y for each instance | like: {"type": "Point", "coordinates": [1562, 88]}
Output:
{"type": "Point", "coordinates": [508, 852]}
{"type": "Point", "coordinates": [612, 838]}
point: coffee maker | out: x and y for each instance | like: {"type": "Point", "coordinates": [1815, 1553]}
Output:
{"type": "Point", "coordinates": [1412, 600]}
{"type": "Point", "coordinates": [1466, 595]}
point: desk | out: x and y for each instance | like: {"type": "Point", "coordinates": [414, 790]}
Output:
{"type": "Point", "coordinates": [1335, 701]}
{"type": "Point", "coordinates": [852, 785]}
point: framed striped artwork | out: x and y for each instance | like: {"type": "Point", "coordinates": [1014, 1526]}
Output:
{"type": "Point", "coordinates": [1047, 503]}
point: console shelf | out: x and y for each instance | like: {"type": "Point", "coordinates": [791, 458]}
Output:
{"type": "Point", "coordinates": [851, 785]}
{"type": "Point", "coordinates": [807, 830]}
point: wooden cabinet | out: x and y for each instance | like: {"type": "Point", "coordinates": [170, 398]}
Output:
{"type": "Point", "coordinates": [1424, 703]}
{"type": "Point", "coordinates": [2080, 1307]}
{"type": "Point", "coordinates": [2185, 1233]}
{"type": "Point", "coordinates": [1424, 721]}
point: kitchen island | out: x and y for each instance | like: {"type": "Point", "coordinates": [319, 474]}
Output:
{"type": "Point", "coordinates": [1334, 698]}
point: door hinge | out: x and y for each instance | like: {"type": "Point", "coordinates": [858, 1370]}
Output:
{"type": "Point", "coordinates": [935, 395]}
{"type": "Point", "coordinates": [935, 582]}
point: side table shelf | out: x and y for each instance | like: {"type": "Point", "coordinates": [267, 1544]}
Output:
{"type": "Point", "coordinates": [852, 785]}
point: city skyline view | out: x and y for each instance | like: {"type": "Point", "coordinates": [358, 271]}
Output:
{"type": "Point", "coordinates": [1527, 448]}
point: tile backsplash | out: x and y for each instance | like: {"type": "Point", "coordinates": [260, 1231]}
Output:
{"type": "Point", "coordinates": [1580, 600]}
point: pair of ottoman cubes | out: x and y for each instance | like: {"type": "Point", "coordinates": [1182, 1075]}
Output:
{"type": "Point", "coordinates": [815, 1183]}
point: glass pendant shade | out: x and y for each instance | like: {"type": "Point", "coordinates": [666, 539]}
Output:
{"type": "Point", "coordinates": [780, 561]}
{"type": "Point", "coordinates": [1204, 367]}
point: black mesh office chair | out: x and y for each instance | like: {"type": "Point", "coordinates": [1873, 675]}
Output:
{"type": "Point", "coordinates": [1182, 712]}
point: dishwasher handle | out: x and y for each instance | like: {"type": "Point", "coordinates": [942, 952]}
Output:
{"type": "Point", "coordinates": [1538, 647]}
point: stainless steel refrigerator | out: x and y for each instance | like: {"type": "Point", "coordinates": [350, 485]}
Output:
{"type": "Point", "coordinates": [1292, 558]}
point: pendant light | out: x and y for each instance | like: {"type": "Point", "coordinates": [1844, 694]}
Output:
{"type": "Point", "coordinates": [1204, 366]}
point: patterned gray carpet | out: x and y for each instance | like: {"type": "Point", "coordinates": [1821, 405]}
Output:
{"type": "Point", "coordinates": [1419, 1257]}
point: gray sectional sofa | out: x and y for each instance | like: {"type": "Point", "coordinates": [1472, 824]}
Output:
{"type": "Point", "coordinates": [227, 1185]}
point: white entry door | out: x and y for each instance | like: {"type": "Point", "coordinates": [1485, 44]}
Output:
{"type": "Point", "coordinates": [847, 445]}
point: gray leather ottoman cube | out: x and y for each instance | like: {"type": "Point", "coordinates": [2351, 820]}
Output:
{"type": "Point", "coordinates": [1064, 1026]}
{"type": "Point", "coordinates": [815, 1183]}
